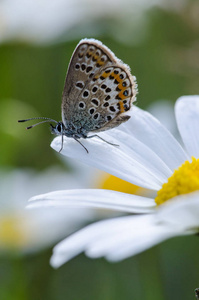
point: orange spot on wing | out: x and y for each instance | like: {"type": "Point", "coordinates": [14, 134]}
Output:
{"type": "Point", "coordinates": [121, 95]}
{"type": "Point", "coordinates": [121, 107]}
{"type": "Point", "coordinates": [117, 77]}
{"type": "Point", "coordinates": [105, 74]}
{"type": "Point", "coordinates": [95, 57]}
{"type": "Point", "coordinates": [99, 62]}
{"type": "Point", "coordinates": [120, 86]}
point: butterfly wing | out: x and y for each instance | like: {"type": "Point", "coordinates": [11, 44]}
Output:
{"type": "Point", "coordinates": [98, 89]}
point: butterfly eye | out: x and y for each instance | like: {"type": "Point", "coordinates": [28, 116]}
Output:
{"type": "Point", "coordinates": [59, 127]}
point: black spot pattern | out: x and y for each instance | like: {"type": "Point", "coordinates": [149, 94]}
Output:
{"type": "Point", "coordinates": [83, 67]}
{"type": "Point", "coordinates": [91, 74]}
{"type": "Point", "coordinates": [80, 84]}
{"type": "Point", "coordinates": [112, 108]}
{"type": "Point", "coordinates": [95, 102]}
{"type": "Point", "coordinates": [94, 90]}
{"type": "Point", "coordinates": [85, 94]}
{"type": "Point", "coordinates": [96, 116]}
{"type": "Point", "coordinates": [108, 90]}
{"type": "Point", "coordinates": [108, 98]}
{"type": "Point", "coordinates": [100, 94]}
{"type": "Point", "coordinates": [126, 107]}
{"type": "Point", "coordinates": [91, 111]}
{"type": "Point", "coordinates": [81, 104]}
{"type": "Point", "coordinates": [88, 69]}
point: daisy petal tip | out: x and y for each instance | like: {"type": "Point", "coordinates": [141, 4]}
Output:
{"type": "Point", "coordinates": [113, 259]}
{"type": "Point", "coordinates": [184, 100]}
{"type": "Point", "coordinates": [34, 198]}
{"type": "Point", "coordinates": [56, 144]}
{"type": "Point", "coordinates": [54, 262]}
{"type": "Point", "coordinates": [59, 259]}
{"type": "Point", "coordinates": [92, 254]}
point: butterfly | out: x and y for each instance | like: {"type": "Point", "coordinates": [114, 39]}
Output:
{"type": "Point", "coordinates": [99, 89]}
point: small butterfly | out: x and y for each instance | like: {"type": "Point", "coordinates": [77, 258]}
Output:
{"type": "Point", "coordinates": [98, 90]}
{"type": "Point", "coordinates": [197, 293]}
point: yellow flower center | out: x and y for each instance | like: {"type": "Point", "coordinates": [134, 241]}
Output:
{"type": "Point", "coordinates": [12, 232]}
{"type": "Point", "coordinates": [110, 182]}
{"type": "Point", "coordinates": [183, 181]}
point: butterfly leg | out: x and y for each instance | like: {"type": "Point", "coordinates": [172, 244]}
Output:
{"type": "Point", "coordinates": [81, 144]}
{"type": "Point", "coordinates": [95, 135]}
{"type": "Point", "coordinates": [62, 143]}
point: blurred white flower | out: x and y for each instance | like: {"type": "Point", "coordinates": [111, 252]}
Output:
{"type": "Point", "coordinates": [148, 156]}
{"type": "Point", "coordinates": [23, 230]}
{"type": "Point", "coordinates": [46, 21]}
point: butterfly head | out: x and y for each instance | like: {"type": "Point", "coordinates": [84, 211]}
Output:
{"type": "Point", "coordinates": [58, 129]}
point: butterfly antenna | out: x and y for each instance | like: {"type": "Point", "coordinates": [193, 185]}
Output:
{"type": "Point", "coordinates": [41, 118]}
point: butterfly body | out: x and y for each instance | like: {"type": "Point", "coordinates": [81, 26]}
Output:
{"type": "Point", "coordinates": [99, 89]}
{"type": "Point", "coordinates": [70, 131]}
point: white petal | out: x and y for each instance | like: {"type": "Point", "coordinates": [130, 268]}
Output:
{"type": "Point", "coordinates": [131, 160]}
{"type": "Point", "coordinates": [147, 129]}
{"type": "Point", "coordinates": [163, 110]}
{"type": "Point", "coordinates": [142, 153]}
{"type": "Point", "coordinates": [95, 198]}
{"type": "Point", "coordinates": [115, 239]}
{"type": "Point", "coordinates": [146, 150]}
{"type": "Point", "coordinates": [187, 116]}
{"type": "Point", "coordinates": [181, 211]}
{"type": "Point", "coordinates": [130, 242]}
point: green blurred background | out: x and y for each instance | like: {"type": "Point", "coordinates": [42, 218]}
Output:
{"type": "Point", "coordinates": [162, 48]}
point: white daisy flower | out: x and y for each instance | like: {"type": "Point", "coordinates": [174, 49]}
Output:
{"type": "Point", "coordinates": [25, 231]}
{"type": "Point", "coordinates": [148, 156]}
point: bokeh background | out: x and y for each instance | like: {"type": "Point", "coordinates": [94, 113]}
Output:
{"type": "Point", "coordinates": [159, 40]}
